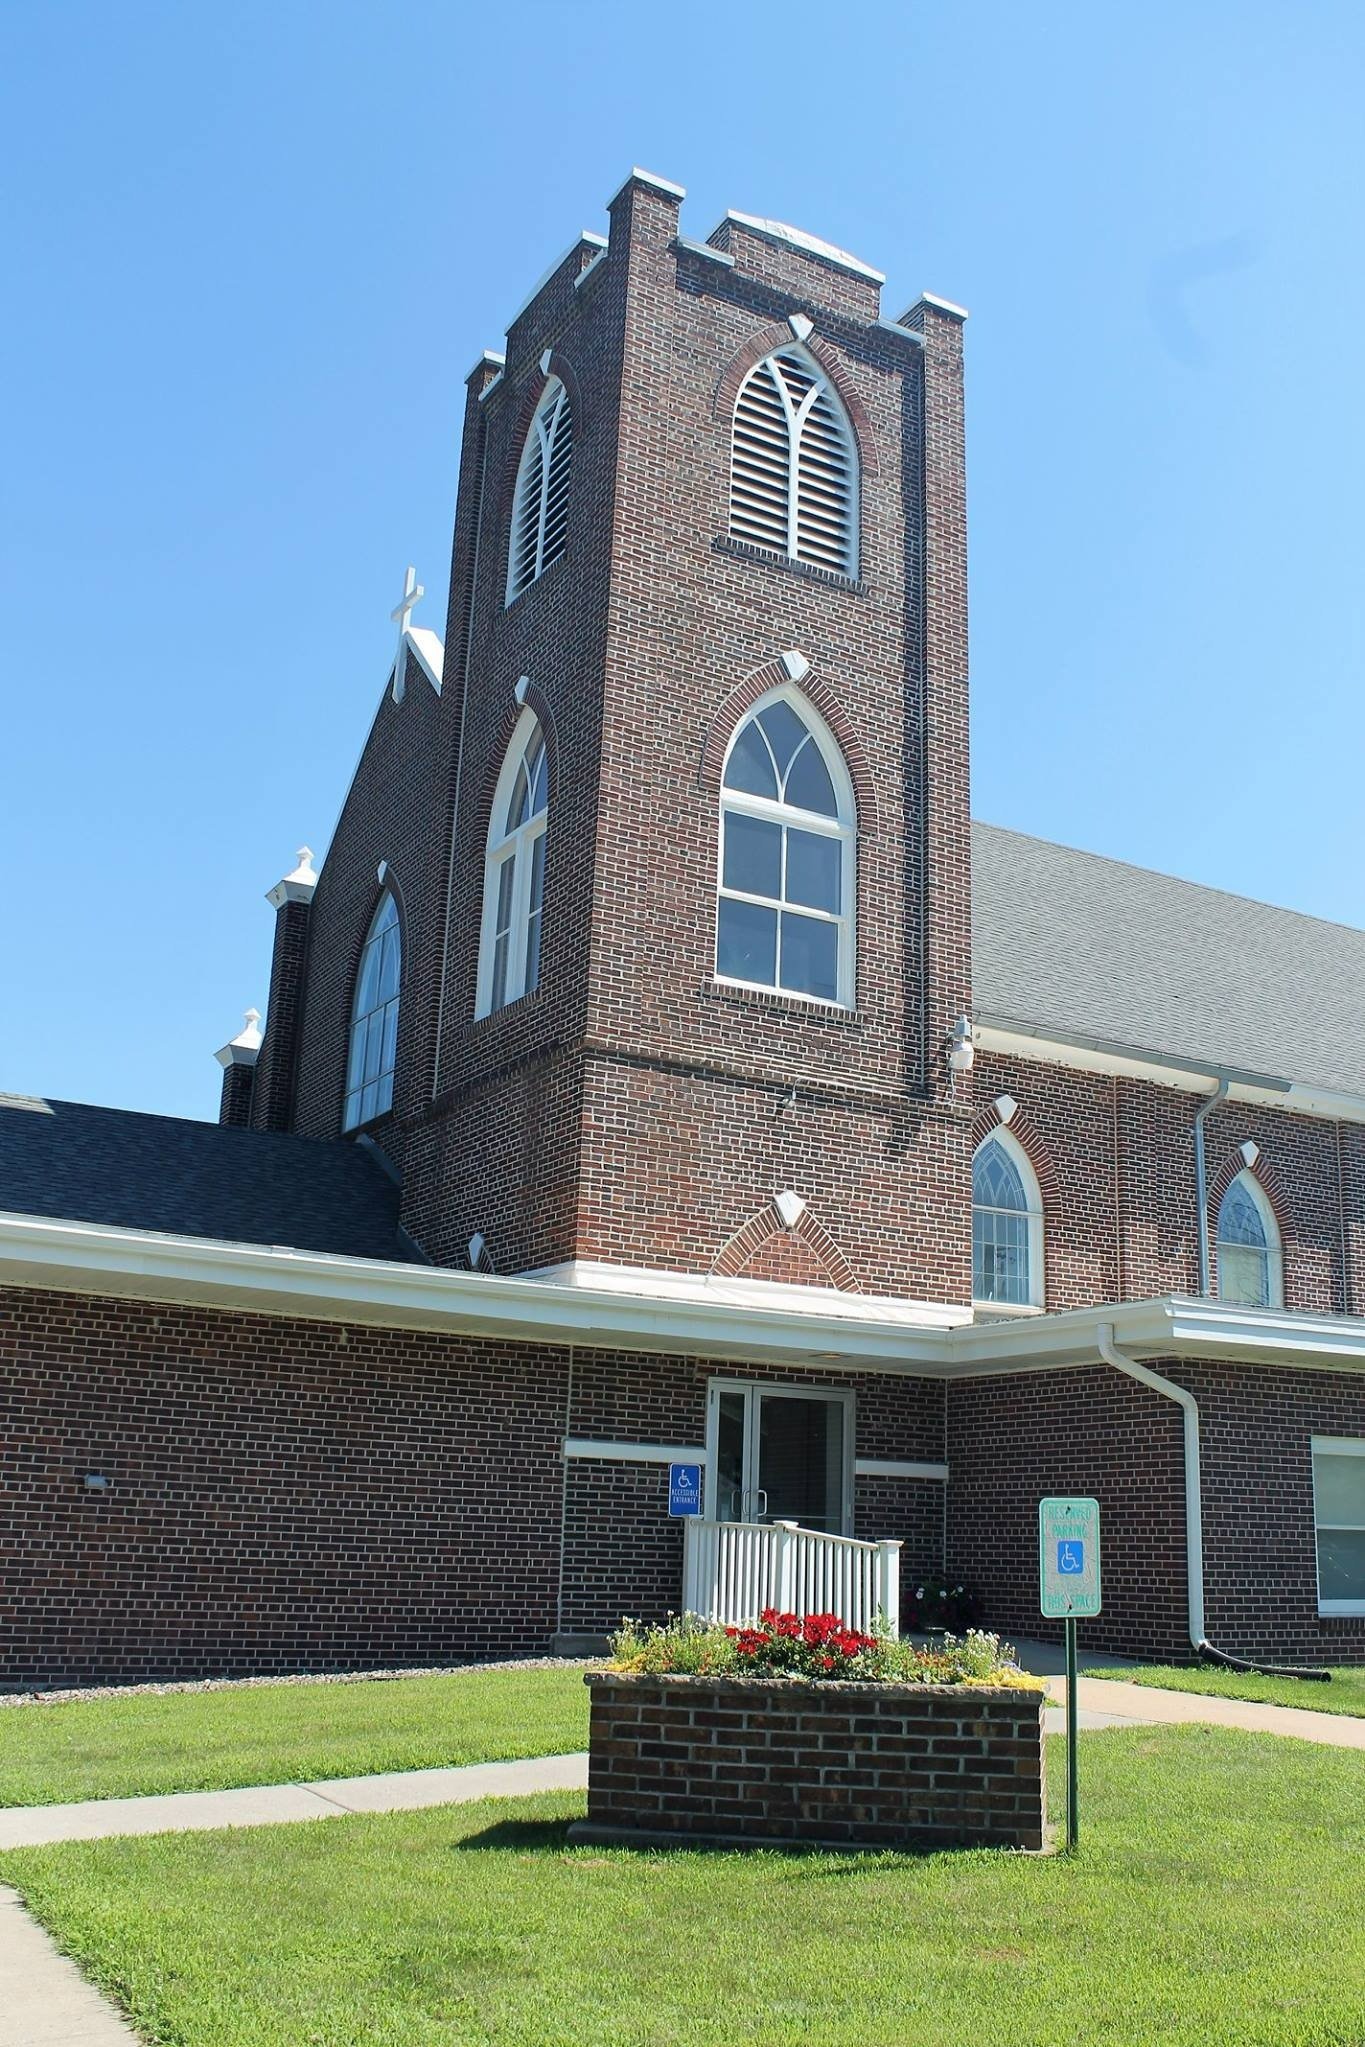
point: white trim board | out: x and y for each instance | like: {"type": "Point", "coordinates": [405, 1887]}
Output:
{"type": "Point", "coordinates": [896, 1467]}
{"type": "Point", "coordinates": [633, 1453]}
{"type": "Point", "coordinates": [92, 1258]}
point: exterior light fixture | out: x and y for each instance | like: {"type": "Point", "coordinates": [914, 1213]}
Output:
{"type": "Point", "coordinates": [961, 1050]}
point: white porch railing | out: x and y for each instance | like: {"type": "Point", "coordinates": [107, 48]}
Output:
{"type": "Point", "coordinates": [733, 1569]}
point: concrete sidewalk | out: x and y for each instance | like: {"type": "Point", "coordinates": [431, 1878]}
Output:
{"type": "Point", "coordinates": [44, 1999]}
{"type": "Point", "coordinates": [264, 1805]}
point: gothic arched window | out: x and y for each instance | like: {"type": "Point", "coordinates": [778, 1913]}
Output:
{"type": "Point", "coordinates": [374, 1019]}
{"type": "Point", "coordinates": [1249, 1265]}
{"type": "Point", "coordinates": [785, 912]}
{"type": "Point", "coordinates": [1007, 1225]}
{"type": "Point", "coordinates": [514, 872]}
{"type": "Point", "coordinates": [540, 501]}
{"type": "Point", "coordinates": [794, 465]}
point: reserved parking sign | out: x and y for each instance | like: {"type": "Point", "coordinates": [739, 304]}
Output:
{"type": "Point", "coordinates": [1068, 1558]}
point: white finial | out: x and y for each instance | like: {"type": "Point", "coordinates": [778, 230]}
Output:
{"type": "Point", "coordinates": [790, 1207]}
{"type": "Point", "coordinates": [242, 1050]}
{"type": "Point", "coordinates": [296, 887]}
{"type": "Point", "coordinates": [413, 592]}
{"type": "Point", "coordinates": [801, 327]}
{"type": "Point", "coordinates": [476, 1249]}
{"type": "Point", "coordinates": [796, 664]}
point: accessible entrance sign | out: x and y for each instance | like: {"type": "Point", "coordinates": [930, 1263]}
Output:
{"type": "Point", "coordinates": [1069, 1558]}
{"type": "Point", "coordinates": [684, 1489]}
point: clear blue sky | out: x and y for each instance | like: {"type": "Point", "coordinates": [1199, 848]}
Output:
{"type": "Point", "coordinates": [251, 252]}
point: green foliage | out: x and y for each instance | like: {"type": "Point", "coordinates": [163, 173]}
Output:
{"type": "Point", "coordinates": [818, 1648]}
{"type": "Point", "coordinates": [1344, 1693]}
{"type": "Point", "coordinates": [1215, 1902]}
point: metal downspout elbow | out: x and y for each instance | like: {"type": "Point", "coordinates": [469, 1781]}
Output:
{"type": "Point", "coordinates": [1194, 1516]}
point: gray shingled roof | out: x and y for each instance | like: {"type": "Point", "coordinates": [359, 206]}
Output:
{"type": "Point", "coordinates": [72, 1161]}
{"type": "Point", "coordinates": [1080, 945]}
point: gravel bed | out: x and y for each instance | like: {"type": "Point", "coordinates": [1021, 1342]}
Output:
{"type": "Point", "coordinates": [302, 1677]}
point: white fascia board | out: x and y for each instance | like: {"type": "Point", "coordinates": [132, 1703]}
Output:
{"type": "Point", "coordinates": [658, 1283]}
{"type": "Point", "coordinates": [796, 238]}
{"type": "Point", "coordinates": [1015, 1040]}
{"type": "Point", "coordinates": [277, 1280]}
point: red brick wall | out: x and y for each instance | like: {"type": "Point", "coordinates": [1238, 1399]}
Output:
{"type": "Point", "coordinates": [856, 1764]}
{"type": "Point", "coordinates": [1121, 1223]}
{"type": "Point", "coordinates": [283, 1495]}
{"type": "Point", "coordinates": [1016, 1438]}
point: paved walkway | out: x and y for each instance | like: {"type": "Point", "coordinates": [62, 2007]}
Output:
{"type": "Point", "coordinates": [44, 1999]}
{"type": "Point", "coordinates": [261, 1805]}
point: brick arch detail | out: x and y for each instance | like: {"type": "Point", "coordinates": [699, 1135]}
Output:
{"type": "Point", "coordinates": [561, 367]}
{"type": "Point", "coordinates": [772, 675]}
{"type": "Point", "coordinates": [1031, 1142]}
{"type": "Point", "coordinates": [389, 886]}
{"type": "Point", "coordinates": [1263, 1173]}
{"type": "Point", "coordinates": [780, 335]}
{"type": "Point", "coordinates": [537, 702]}
{"type": "Point", "coordinates": [735, 1254]}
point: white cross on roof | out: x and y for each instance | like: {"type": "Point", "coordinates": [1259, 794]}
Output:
{"type": "Point", "coordinates": [401, 615]}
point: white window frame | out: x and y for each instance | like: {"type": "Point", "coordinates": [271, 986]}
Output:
{"type": "Point", "coordinates": [552, 408]}
{"type": "Point", "coordinates": [1273, 1245]}
{"type": "Point", "coordinates": [1334, 1446]}
{"type": "Point", "coordinates": [518, 845]}
{"type": "Point", "coordinates": [1033, 1197]}
{"type": "Point", "coordinates": [796, 419]}
{"type": "Point", "coordinates": [843, 827]}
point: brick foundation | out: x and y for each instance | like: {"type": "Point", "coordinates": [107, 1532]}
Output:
{"type": "Point", "coordinates": [756, 1760]}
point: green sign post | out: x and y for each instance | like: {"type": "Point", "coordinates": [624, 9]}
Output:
{"type": "Point", "coordinates": [1069, 1586]}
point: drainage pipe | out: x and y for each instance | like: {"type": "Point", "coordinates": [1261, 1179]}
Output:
{"type": "Point", "coordinates": [1201, 1191]}
{"type": "Point", "coordinates": [1194, 1516]}
{"type": "Point", "coordinates": [1194, 1513]}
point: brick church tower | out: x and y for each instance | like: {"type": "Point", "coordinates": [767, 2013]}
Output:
{"type": "Point", "coordinates": [645, 930]}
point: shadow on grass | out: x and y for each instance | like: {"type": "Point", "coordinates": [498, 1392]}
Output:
{"type": "Point", "coordinates": [522, 1836]}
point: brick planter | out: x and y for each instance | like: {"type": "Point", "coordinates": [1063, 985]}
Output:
{"type": "Point", "coordinates": [752, 1760]}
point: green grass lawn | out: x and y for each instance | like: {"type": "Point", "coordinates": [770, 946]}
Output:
{"type": "Point", "coordinates": [1344, 1694]}
{"type": "Point", "coordinates": [207, 1741]}
{"type": "Point", "coordinates": [1216, 1900]}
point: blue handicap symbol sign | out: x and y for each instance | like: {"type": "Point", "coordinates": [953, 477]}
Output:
{"type": "Point", "coordinates": [1071, 1557]}
{"type": "Point", "coordinates": [684, 1489]}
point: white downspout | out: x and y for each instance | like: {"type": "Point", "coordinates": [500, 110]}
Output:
{"type": "Point", "coordinates": [1194, 1517]}
{"type": "Point", "coordinates": [1201, 1189]}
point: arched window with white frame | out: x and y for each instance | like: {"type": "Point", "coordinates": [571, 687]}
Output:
{"type": "Point", "coordinates": [794, 464]}
{"type": "Point", "coordinates": [1250, 1265]}
{"type": "Point", "coordinates": [514, 872]}
{"type": "Point", "coordinates": [1007, 1225]}
{"type": "Point", "coordinates": [540, 499]}
{"type": "Point", "coordinates": [373, 1054]}
{"type": "Point", "coordinates": [785, 912]}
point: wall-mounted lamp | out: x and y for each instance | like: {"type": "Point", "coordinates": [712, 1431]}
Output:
{"type": "Point", "coordinates": [961, 1051]}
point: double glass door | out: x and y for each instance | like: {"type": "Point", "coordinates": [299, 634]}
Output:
{"type": "Point", "coordinates": [780, 1454]}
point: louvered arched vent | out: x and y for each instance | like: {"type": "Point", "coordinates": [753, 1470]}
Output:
{"type": "Point", "coordinates": [540, 508]}
{"type": "Point", "coordinates": [793, 466]}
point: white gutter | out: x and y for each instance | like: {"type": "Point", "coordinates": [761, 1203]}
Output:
{"type": "Point", "coordinates": [634, 1311]}
{"type": "Point", "coordinates": [1194, 1514]}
